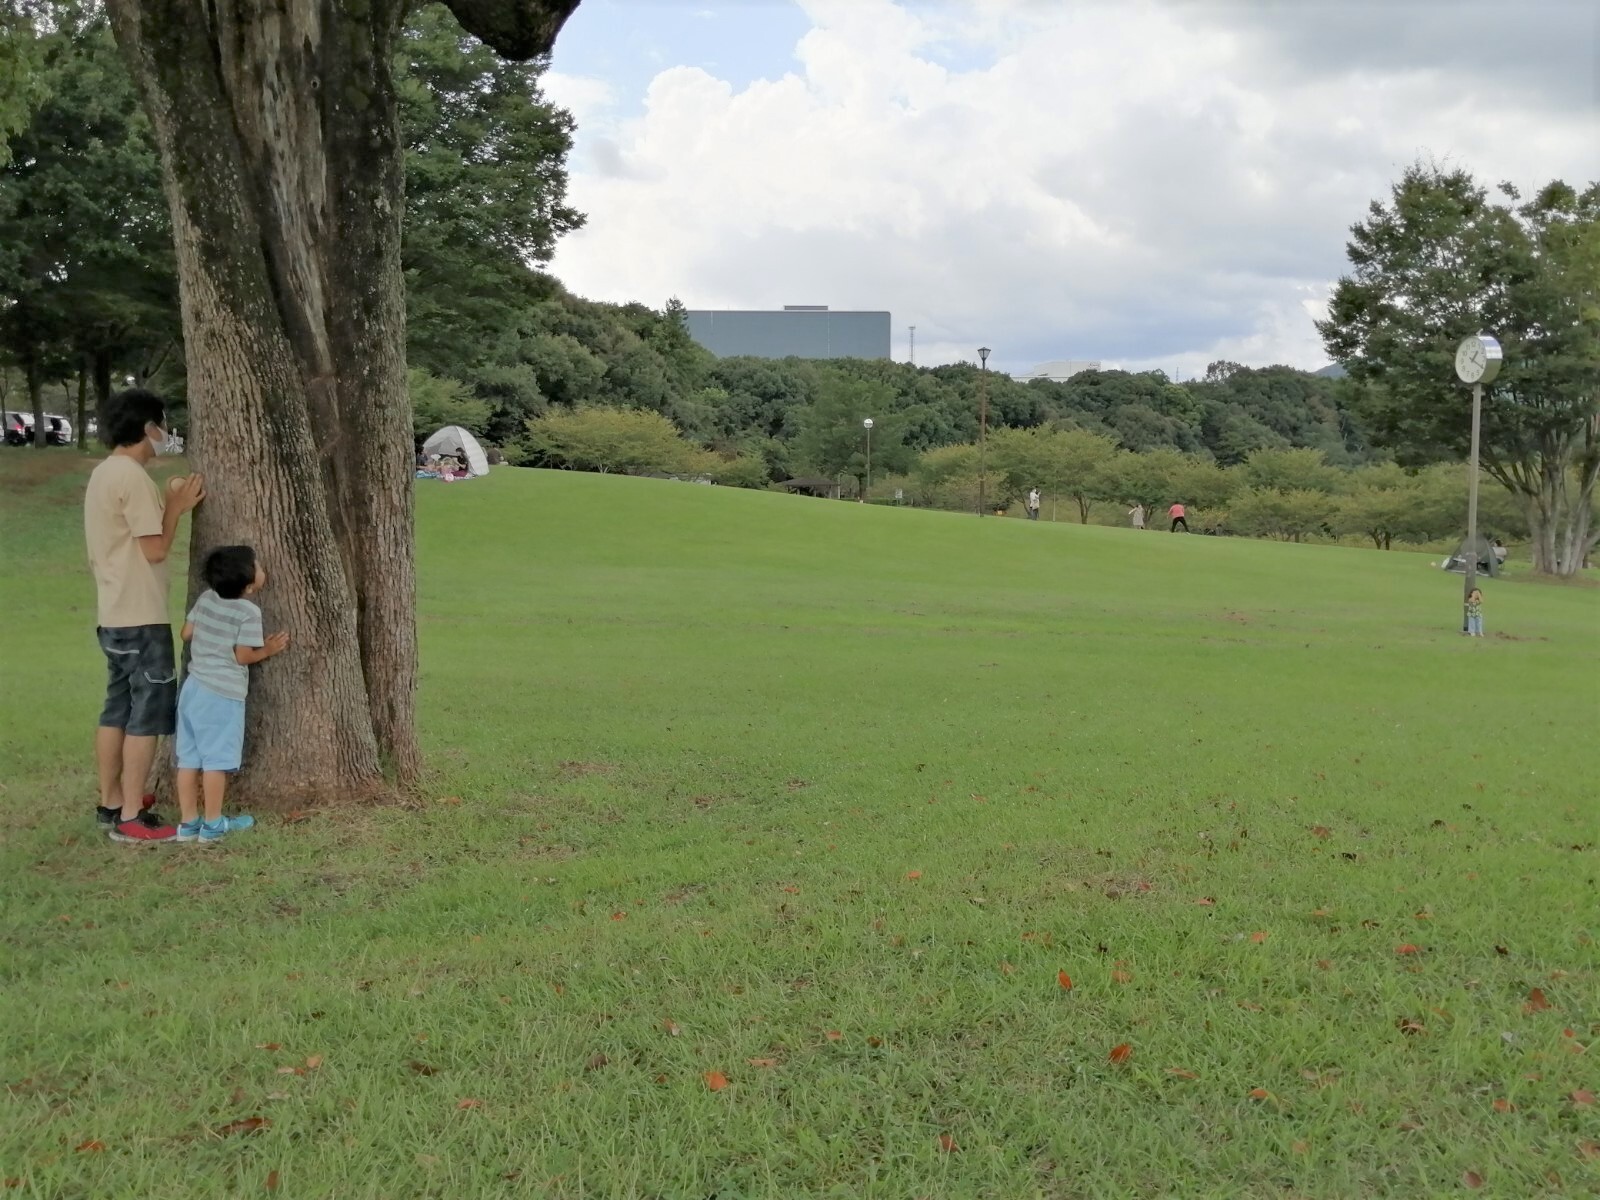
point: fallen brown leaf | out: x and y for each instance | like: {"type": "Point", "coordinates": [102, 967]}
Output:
{"type": "Point", "coordinates": [269, 1045]}
{"type": "Point", "coordinates": [947, 1144]}
{"type": "Point", "coordinates": [1471, 1179]}
{"type": "Point", "coordinates": [762, 1062]}
{"type": "Point", "coordinates": [913, 874]}
{"type": "Point", "coordinates": [1180, 1073]}
{"type": "Point", "coordinates": [716, 1080]}
{"type": "Point", "coordinates": [243, 1125]}
{"type": "Point", "coordinates": [1120, 1053]}
{"type": "Point", "coordinates": [1258, 936]}
{"type": "Point", "coordinates": [1504, 1106]}
{"type": "Point", "coordinates": [92, 1146]}
{"type": "Point", "coordinates": [422, 1068]}
{"type": "Point", "coordinates": [1205, 902]}
{"type": "Point", "coordinates": [313, 1062]}
{"type": "Point", "coordinates": [272, 1181]}
{"type": "Point", "coordinates": [833, 1035]}
{"type": "Point", "coordinates": [672, 1027]}
{"type": "Point", "coordinates": [1321, 831]}
{"type": "Point", "coordinates": [1407, 948]}
{"type": "Point", "coordinates": [1064, 980]}
{"type": "Point", "coordinates": [1589, 1149]}
{"type": "Point", "coordinates": [1581, 1096]}
{"type": "Point", "coordinates": [468, 1103]}
{"type": "Point", "coordinates": [1302, 1148]}
{"type": "Point", "coordinates": [1536, 1001]}
{"type": "Point", "coordinates": [1260, 1094]}
{"type": "Point", "coordinates": [596, 1062]}
{"type": "Point", "coordinates": [1121, 977]}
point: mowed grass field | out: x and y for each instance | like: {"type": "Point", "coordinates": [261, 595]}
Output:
{"type": "Point", "coordinates": [763, 837]}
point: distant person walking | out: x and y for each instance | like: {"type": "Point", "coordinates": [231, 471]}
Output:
{"type": "Point", "coordinates": [1033, 505]}
{"type": "Point", "coordinates": [1137, 513]}
{"type": "Point", "coordinates": [1176, 512]}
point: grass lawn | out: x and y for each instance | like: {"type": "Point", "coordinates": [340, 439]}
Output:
{"type": "Point", "coordinates": [764, 835]}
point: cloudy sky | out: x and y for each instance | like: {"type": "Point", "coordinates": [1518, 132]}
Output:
{"type": "Point", "coordinates": [1149, 184]}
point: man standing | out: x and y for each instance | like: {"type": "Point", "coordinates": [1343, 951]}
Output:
{"type": "Point", "coordinates": [1137, 515]}
{"type": "Point", "coordinates": [1033, 505]}
{"type": "Point", "coordinates": [1176, 512]}
{"type": "Point", "coordinates": [130, 532]}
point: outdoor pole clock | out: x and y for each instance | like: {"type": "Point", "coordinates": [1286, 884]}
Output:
{"type": "Point", "coordinates": [1478, 359]}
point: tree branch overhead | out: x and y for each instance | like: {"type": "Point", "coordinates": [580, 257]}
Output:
{"type": "Point", "coordinates": [515, 29]}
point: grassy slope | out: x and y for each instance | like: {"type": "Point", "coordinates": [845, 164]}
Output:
{"type": "Point", "coordinates": [692, 742]}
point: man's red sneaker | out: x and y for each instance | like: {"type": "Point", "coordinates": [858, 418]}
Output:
{"type": "Point", "coordinates": [137, 831]}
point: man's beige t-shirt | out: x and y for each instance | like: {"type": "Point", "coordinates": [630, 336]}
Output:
{"type": "Point", "coordinates": [122, 505]}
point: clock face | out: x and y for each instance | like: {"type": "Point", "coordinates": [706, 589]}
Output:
{"type": "Point", "coordinates": [1471, 360]}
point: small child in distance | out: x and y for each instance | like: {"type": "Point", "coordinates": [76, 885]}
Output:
{"type": "Point", "coordinates": [1475, 613]}
{"type": "Point", "coordinates": [224, 635]}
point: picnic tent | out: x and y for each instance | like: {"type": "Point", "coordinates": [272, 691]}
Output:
{"type": "Point", "coordinates": [1488, 562]}
{"type": "Point", "coordinates": [453, 439]}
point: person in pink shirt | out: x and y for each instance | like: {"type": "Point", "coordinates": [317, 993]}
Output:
{"type": "Point", "coordinates": [1176, 512]}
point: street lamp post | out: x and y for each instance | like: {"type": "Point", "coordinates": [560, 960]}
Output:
{"type": "Point", "coordinates": [867, 425]}
{"type": "Point", "coordinates": [1478, 361]}
{"type": "Point", "coordinates": [983, 430]}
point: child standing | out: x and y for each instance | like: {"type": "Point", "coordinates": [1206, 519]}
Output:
{"type": "Point", "coordinates": [1474, 613]}
{"type": "Point", "coordinates": [224, 635]}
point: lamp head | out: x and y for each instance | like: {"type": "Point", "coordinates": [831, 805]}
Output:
{"type": "Point", "coordinates": [867, 424]}
{"type": "Point", "coordinates": [983, 355]}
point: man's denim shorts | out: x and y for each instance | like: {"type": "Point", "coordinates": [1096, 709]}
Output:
{"type": "Point", "coordinates": [142, 680]}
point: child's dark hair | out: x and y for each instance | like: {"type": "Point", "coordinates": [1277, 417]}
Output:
{"type": "Point", "coordinates": [229, 570]}
{"type": "Point", "coordinates": [126, 414]}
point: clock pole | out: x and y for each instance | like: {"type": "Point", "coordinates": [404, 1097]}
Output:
{"type": "Point", "coordinates": [1471, 580]}
{"type": "Point", "coordinates": [1478, 361]}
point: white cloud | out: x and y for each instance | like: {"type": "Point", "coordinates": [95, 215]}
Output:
{"type": "Point", "coordinates": [588, 99]}
{"type": "Point", "coordinates": [1156, 184]}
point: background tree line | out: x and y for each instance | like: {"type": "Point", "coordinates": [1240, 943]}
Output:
{"type": "Point", "coordinates": [494, 343]}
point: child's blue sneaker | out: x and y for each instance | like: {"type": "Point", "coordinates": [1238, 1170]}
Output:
{"type": "Point", "coordinates": [189, 831]}
{"type": "Point", "coordinates": [215, 831]}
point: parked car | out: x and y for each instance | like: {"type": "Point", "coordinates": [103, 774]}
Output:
{"type": "Point", "coordinates": [19, 429]}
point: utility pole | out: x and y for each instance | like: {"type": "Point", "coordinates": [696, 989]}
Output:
{"type": "Point", "coordinates": [983, 430]}
{"type": "Point", "coordinates": [912, 358]}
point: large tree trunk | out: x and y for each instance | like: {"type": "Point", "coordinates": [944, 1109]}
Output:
{"type": "Point", "coordinates": [279, 140]}
{"type": "Point", "coordinates": [35, 377]}
{"type": "Point", "coordinates": [81, 429]}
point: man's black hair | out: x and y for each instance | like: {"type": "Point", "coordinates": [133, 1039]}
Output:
{"type": "Point", "coordinates": [229, 570]}
{"type": "Point", "coordinates": [126, 415]}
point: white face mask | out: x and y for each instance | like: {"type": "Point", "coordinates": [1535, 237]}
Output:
{"type": "Point", "coordinates": [159, 445]}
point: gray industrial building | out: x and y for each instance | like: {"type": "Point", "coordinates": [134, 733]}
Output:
{"type": "Point", "coordinates": [798, 330]}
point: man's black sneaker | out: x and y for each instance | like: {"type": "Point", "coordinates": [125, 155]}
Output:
{"type": "Point", "coordinates": [113, 815]}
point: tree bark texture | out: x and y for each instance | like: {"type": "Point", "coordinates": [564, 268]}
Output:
{"type": "Point", "coordinates": [34, 373]}
{"type": "Point", "coordinates": [81, 429]}
{"type": "Point", "coordinates": [279, 139]}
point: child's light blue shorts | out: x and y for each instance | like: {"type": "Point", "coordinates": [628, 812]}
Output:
{"type": "Point", "coordinates": [210, 730]}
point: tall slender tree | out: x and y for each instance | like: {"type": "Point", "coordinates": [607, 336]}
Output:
{"type": "Point", "coordinates": [280, 142]}
{"type": "Point", "coordinates": [1443, 260]}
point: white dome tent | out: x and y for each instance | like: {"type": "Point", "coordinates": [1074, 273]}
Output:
{"type": "Point", "coordinates": [453, 439]}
